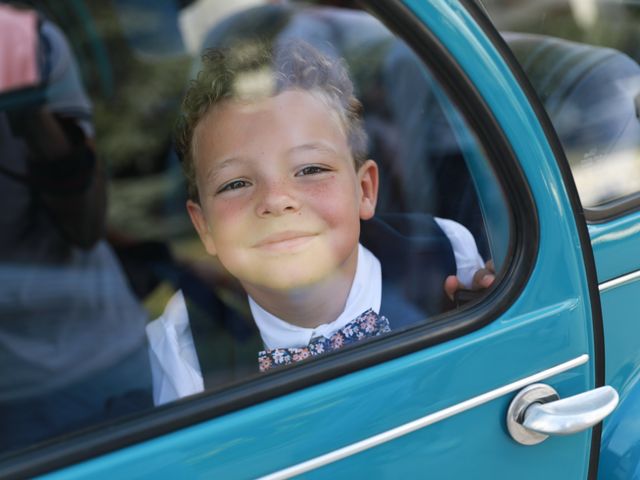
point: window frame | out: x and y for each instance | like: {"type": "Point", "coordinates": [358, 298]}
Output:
{"type": "Point", "coordinates": [613, 209]}
{"type": "Point", "coordinates": [522, 255]}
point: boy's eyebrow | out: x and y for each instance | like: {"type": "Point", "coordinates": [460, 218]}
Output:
{"type": "Point", "coordinates": [320, 146]}
{"type": "Point", "coordinates": [217, 167]}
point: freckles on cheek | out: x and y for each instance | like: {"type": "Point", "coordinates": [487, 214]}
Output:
{"type": "Point", "coordinates": [224, 205]}
{"type": "Point", "coordinates": [329, 189]}
{"type": "Point", "coordinates": [334, 202]}
{"type": "Point", "coordinates": [224, 213]}
{"type": "Point", "coordinates": [321, 193]}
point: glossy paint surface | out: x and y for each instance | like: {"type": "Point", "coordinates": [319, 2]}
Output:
{"type": "Point", "coordinates": [620, 308]}
{"type": "Point", "coordinates": [549, 323]}
{"type": "Point", "coordinates": [620, 452]}
{"type": "Point", "coordinates": [616, 246]}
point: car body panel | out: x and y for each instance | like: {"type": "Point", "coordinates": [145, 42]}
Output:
{"type": "Point", "coordinates": [616, 246]}
{"type": "Point", "coordinates": [620, 451]}
{"type": "Point", "coordinates": [620, 306]}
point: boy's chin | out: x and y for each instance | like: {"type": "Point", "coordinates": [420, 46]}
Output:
{"type": "Point", "coordinates": [298, 271]}
{"type": "Point", "coordinates": [283, 282]}
{"type": "Point", "coordinates": [292, 276]}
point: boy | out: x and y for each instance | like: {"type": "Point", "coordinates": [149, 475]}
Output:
{"type": "Point", "coordinates": [275, 156]}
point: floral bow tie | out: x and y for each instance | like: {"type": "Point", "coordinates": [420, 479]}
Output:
{"type": "Point", "coordinates": [368, 324]}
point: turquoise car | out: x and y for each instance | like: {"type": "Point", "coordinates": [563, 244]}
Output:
{"type": "Point", "coordinates": [518, 120]}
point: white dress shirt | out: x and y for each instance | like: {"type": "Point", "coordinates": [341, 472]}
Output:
{"type": "Point", "coordinates": [174, 363]}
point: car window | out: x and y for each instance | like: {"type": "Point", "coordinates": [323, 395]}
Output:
{"type": "Point", "coordinates": [582, 60]}
{"type": "Point", "coordinates": [176, 223]}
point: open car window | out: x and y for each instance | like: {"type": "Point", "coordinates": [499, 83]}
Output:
{"type": "Point", "coordinates": [111, 305]}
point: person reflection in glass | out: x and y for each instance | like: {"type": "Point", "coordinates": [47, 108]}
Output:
{"type": "Point", "coordinates": [72, 344]}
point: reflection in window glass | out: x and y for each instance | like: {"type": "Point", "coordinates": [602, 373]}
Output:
{"type": "Point", "coordinates": [333, 194]}
{"type": "Point", "coordinates": [73, 345]}
{"type": "Point", "coordinates": [582, 59]}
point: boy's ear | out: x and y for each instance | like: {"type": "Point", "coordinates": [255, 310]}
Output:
{"type": "Point", "coordinates": [368, 179]}
{"type": "Point", "coordinates": [200, 222]}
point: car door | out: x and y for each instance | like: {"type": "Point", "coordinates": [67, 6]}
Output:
{"type": "Point", "coordinates": [430, 400]}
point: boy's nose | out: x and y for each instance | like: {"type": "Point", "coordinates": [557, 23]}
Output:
{"type": "Point", "coordinates": [277, 199]}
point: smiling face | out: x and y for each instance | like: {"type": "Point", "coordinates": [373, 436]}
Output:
{"type": "Point", "coordinates": [280, 199]}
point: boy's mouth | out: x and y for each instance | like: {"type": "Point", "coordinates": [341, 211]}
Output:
{"type": "Point", "coordinates": [284, 241]}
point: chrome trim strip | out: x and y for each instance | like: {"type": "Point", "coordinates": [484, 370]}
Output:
{"type": "Point", "coordinates": [430, 419]}
{"type": "Point", "coordinates": [616, 282]}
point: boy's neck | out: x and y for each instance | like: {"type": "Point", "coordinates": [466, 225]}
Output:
{"type": "Point", "coordinates": [310, 306]}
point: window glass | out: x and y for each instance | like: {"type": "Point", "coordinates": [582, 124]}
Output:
{"type": "Point", "coordinates": [582, 59]}
{"type": "Point", "coordinates": [175, 223]}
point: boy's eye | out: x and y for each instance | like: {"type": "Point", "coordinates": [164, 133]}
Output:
{"type": "Point", "coordinates": [311, 170]}
{"type": "Point", "coordinates": [233, 185]}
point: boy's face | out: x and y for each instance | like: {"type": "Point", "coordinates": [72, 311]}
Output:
{"type": "Point", "coordinates": [280, 198]}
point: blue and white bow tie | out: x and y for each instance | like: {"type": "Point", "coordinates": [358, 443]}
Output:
{"type": "Point", "coordinates": [368, 324]}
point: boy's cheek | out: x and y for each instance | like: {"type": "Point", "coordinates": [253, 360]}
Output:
{"type": "Point", "coordinates": [227, 209]}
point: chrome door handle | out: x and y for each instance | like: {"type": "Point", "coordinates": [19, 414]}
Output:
{"type": "Point", "coordinates": [537, 412]}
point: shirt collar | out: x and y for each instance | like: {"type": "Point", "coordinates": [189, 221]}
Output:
{"type": "Point", "coordinates": [365, 293]}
